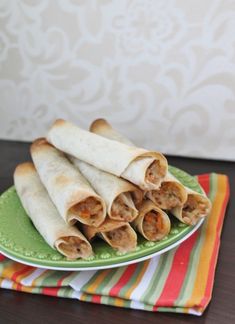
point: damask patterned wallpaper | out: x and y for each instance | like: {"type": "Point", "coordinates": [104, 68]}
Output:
{"type": "Point", "coordinates": [162, 71]}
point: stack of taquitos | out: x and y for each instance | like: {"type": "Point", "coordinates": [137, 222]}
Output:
{"type": "Point", "coordinates": [67, 239]}
{"type": "Point", "coordinates": [104, 162]}
{"type": "Point", "coordinates": [92, 153]}
{"type": "Point", "coordinates": [122, 199]}
{"type": "Point", "coordinates": [103, 184]}
{"type": "Point", "coordinates": [76, 199]}
{"type": "Point", "coordinates": [185, 204]}
{"type": "Point", "coordinates": [144, 168]}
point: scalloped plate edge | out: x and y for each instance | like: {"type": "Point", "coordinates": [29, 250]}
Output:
{"type": "Point", "coordinates": [120, 264]}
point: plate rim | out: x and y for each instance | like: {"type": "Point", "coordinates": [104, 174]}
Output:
{"type": "Point", "coordinates": [110, 266]}
{"type": "Point", "coordinates": [140, 254]}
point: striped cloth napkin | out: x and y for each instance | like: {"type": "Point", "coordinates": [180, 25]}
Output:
{"type": "Point", "coordinates": [178, 281]}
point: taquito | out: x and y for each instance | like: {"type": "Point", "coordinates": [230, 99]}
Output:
{"type": "Point", "coordinates": [119, 195]}
{"type": "Point", "coordinates": [119, 235]}
{"type": "Point", "coordinates": [67, 239]}
{"type": "Point", "coordinates": [71, 193]}
{"type": "Point", "coordinates": [144, 168]}
{"type": "Point", "coordinates": [196, 207]}
{"type": "Point", "coordinates": [185, 204]}
{"type": "Point", "coordinates": [152, 222]}
{"type": "Point", "coordinates": [171, 194]}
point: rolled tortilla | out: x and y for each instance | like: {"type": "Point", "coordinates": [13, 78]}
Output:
{"type": "Point", "coordinates": [67, 239]}
{"type": "Point", "coordinates": [184, 203]}
{"type": "Point", "coordinates": [69, 190]}
{"type": "Point", "coordinates": [152, 222]}
{"type": "Point", "coordinates": [171, 194]}
{"type": "Point", "coordinates": [102, 127]}
{"type": "Point", "coordinates": [196, 207]}
{"type": "Point", "coordinates": [119, 235]}
{"type": "Point", "coordinates": [144, 168]}
{"type": "Point", "coordinates": [119, 195]}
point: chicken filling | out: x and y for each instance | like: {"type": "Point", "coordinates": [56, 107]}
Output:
{"type": "Point", "coordinates": [137, 197]}
{"type": "Point", "coordinates": [167, 197]}
{"type": "Point", "coordinates": [194, 208]}
{"type": "Point", "coordinates": [90, 210]}
{"type": "Point", "coordinates": [153, 226]}
{"type": "Point", "coordinates": [120, 238]}
{"type": "Point", "coordinates": [73, 247]}
{"type": "Point", "coordinates": [123, 208]}
{"type": "Point", "coordinates": [155, 173]}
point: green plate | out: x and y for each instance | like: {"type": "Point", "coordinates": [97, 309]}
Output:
{"type": "Point", "coordinates": [20, 241]}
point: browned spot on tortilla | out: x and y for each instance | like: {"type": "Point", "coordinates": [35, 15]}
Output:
{"type": "Point", "coordinates": [39, 143]}
{"type": "Point", "coordinates": [25, 167]}
{"type": "Point", "coordinates": [59, 122]}
{"type": "Point", "coordinates": [62, 180]}
{"type": "Point", "coordinates": [99, 123]}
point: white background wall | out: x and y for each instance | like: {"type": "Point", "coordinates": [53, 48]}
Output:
{"type": "Point", "coordinates": [163, 72]}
